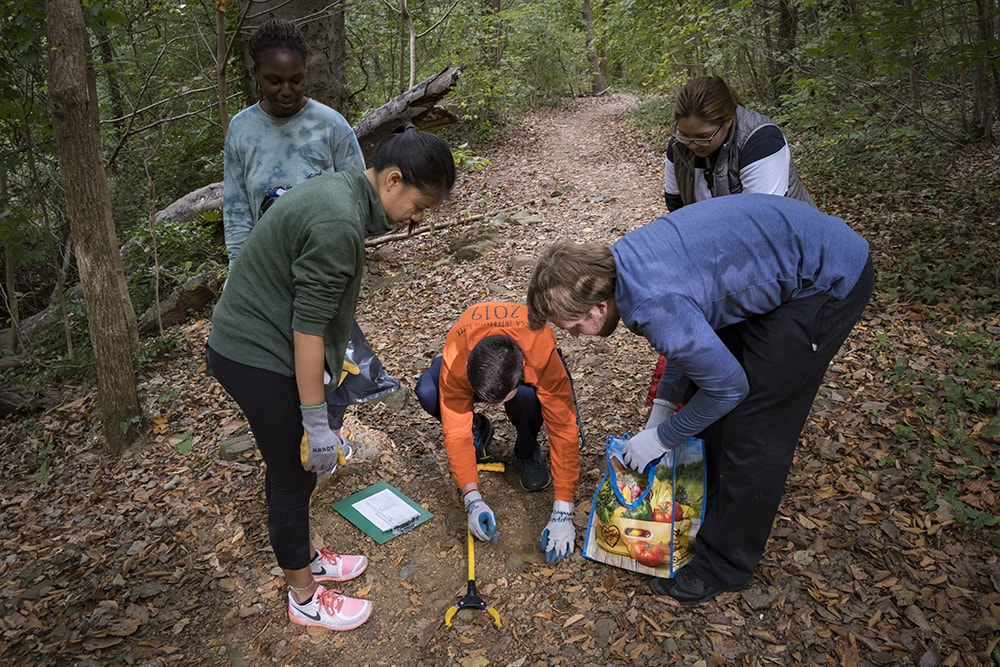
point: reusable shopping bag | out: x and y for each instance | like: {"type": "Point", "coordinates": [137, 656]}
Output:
{"type": "Point", "coordinates": [647, 522]}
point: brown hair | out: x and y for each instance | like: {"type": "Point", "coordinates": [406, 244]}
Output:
{"type": "Point", "coordinates": [709, 98]}
{"type": "Point", "coordinates": [569, 279]}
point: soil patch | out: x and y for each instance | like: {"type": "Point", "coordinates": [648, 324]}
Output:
{"type": "Point", "coordinates": [162, 557]}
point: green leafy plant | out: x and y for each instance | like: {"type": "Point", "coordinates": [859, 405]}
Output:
{"type": "Point", "coordinates": [467, 160]}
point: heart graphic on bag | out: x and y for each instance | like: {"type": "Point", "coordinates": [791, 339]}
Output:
{"type": "Point", "coordinates": [610, 535]}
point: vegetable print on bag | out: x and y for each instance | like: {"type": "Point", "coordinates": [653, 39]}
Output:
{"type": "Point", "coordinates": [647, 522]}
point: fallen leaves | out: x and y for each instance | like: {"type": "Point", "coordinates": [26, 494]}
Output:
{"type": "Point", "coordinates": [163, 554]}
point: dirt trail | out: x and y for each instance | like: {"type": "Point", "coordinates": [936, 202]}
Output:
{"type": "Point", "coordinates": [162, 558]}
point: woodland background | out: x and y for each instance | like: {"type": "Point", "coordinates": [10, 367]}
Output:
{"type": "Point", "coordinates": [861, 84]}
{"type": "Point", "coordinates": [891, 109]}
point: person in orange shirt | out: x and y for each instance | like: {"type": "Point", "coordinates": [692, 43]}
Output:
{"type": "Point", "coordinates": [491, 355]}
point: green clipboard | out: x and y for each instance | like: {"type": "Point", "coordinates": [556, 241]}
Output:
{"type": "Point", "coordinates": [347, 510]}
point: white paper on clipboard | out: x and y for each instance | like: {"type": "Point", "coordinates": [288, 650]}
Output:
{"type": "Point", "coordinates": [386, 510]}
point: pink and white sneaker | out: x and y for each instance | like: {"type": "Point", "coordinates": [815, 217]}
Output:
{"type": "Point", "coordinates": [328, 566]}
{"type": "Point", "coordinates": [329, 609]}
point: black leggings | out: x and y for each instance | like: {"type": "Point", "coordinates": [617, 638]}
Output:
{"type": "Point", "coordinates": [270, 402]}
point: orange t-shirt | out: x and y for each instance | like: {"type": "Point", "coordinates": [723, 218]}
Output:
{"type": "Point", "coordinates": [543, 370]}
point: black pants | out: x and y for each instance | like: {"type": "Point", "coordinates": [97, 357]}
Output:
{"type": "Point", "coordinates": [271, 404]}
{"type": "Point", "coordinates": [785, 354]}
{"type": "Point", "coordinates": [524, 410]}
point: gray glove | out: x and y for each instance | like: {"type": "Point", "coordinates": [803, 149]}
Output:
{"type": "Point", "coordinates": [642, 449]}
{"type": "Point", "coordinates": [323, 443]}
{"type": "Point", "coordinates": [661, 411]}
{"type": "Point", "coordinates": [482, 522]}
{"type": "Point", "coordinates": [560, 533]}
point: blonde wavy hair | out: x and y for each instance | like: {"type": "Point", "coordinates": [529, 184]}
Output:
{"type": "Point", "coordinates": [568, 280]}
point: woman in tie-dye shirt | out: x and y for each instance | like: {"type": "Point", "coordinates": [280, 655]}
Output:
{"type": "Point", "coordinates": [282, 140]}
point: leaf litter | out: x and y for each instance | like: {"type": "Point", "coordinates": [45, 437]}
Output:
{"type": "Point", "coordinates": [161, 557]}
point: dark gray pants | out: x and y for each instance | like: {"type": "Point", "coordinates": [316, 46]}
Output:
{"type": "Point", "coordinates": [524, 410]}
{"type": "Point", "coordinates": [785, 354]}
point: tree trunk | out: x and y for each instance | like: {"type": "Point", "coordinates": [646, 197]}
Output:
{"type": "Point", "coordinates": [597, 82]}
{"type": "Point", "coordinates": [88, 206]}
{"type": "Point", "coordinates": [788, 23]}
{"type": "Point", "coordinates": [411, 32]}
{"type": "Point", "coordinates": [985, 97]}
{"type": "Point", "coordinates": [911, 58]}
{"type": "Point", "coordinates": [221, 65]}
{"type": "Point", "coordinates": [10, 285]}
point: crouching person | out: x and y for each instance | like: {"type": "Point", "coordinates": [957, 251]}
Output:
{"type": "Point", "coordinates": [492, 356]}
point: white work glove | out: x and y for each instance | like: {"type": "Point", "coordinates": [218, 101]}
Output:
{"type": "Point", "coordinates": [560, 533]}
{"type": "Point", "coordinates": [482, 522]}
{"type": "Point", "coordinates": [323, 443]}
{"type": "Point", "coordinates": [661, 411]}
{"type": "Point", "coordinates": [642, 449]}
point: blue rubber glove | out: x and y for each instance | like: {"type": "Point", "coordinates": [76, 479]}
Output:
{"type": "Point", "coordinates": [642, 449]}
{"type": "Point", "coordinates": [560, 533]}
{"type": "Point", "coordinates": [323, 443]}
{"type": "Point", "coordinates": [661, 411]}
{"type": "Point", "coordinates": [482, 522]}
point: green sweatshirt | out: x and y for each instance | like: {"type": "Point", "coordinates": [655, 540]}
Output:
{"type": "Point", "coordinates": [299, 270]}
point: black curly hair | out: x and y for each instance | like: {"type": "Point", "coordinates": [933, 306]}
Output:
{"type": "Point", "coordinates": [276, 34]}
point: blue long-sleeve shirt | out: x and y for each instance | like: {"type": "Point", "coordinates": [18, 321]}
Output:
{"type": "Point", "coordinates": [716, 263]}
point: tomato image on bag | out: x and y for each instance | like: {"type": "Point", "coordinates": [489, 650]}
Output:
{"type": "Point", "coordinates": [647, 522]}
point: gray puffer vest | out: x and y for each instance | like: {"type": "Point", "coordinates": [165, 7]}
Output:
{"type": "Point", "coordinates": [726, 167]}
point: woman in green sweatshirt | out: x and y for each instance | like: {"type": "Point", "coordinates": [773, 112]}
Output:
{"type": "Point", "coordinates": [285, 317]}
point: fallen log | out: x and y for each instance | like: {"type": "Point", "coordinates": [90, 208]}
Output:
{"type": "Point", "coordinates": [19, 400]}
{"type": "Point", "coordinates": [193, 295]}
{"type": "Point", "coordinates": [417, 105]}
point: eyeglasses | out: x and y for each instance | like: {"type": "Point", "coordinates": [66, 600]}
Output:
{"type": "Point", "coordinates": [697, 141]}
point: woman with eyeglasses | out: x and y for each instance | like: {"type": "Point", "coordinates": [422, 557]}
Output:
{"type": "Point", "coordinates": [721, 148]}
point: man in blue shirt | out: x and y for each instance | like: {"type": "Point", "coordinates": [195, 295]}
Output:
{"type": "Point", "coordinates": [749, 298]}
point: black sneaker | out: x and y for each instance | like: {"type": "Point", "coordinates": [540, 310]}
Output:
{"type": "Point", "coordinates": [534, 475]}
{"type": "Point", "coordinates": [482, 436]}
{"type": "Point", "coordinates": [688, 588]}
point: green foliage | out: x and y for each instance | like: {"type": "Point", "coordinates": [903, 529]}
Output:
{"type": "Point", "coordinates": [950, 397]}
{"type": "Point", "coordinates": [655, 119]}
{"type": "Point", "coordinates": [182, 251]}
{"type": "Point", "coordinates": [467, 160]}
{"type": "Point", "coordinates": [185, 444]}
{"type": "Point", "coordinates": [156, 349]}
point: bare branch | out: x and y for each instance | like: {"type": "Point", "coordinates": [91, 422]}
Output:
{"type": "Point", "coordinates": [423, 229]}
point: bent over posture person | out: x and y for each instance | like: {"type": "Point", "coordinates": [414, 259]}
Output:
{"type": "Point", "coordinates": [286, 316]}
{"type": "Point", "coordinates": [491, 355]}
{"type": "Point", "coordinates": [751, 297]}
